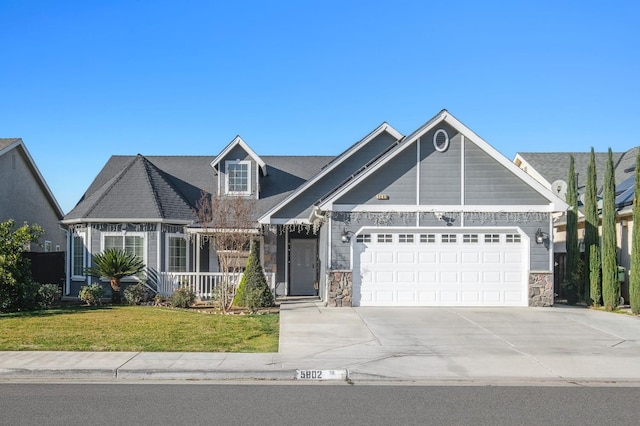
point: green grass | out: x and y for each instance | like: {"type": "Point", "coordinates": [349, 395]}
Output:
{"type": "Point", "coordinates": [136, 328]}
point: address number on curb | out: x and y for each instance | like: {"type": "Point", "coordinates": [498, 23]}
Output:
{"type": "Point", "coordinates": [321, 374]}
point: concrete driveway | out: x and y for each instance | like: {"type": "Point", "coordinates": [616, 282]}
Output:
{"type": "Point", "coordinates": [521, 344]}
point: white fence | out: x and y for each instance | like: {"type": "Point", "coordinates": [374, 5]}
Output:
{"type": "Point", "coordinates": [203, 284]}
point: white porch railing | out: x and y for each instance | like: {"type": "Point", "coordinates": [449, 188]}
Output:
{"type": "Point", "coordinates": [203, 284]}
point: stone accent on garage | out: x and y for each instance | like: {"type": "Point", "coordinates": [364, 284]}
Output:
{"type": "Point", "coordinates": [540, 289]}
{"type": "Point", "coordinates": [340, 288]}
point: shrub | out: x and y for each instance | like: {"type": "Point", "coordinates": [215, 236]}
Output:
{"type": "Point", "coordinates": [91, 294]}
{"type": "Point", "coordinates": [48, 294]}
{"type": "Point", "coordinates": [135, 294]}
{"type": "Point", "coordinates": [254, 292]}
{"type": "Point", "coordinates": [183, 297]}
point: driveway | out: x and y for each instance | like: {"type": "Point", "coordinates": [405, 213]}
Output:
{"type": "Point", "coordinates": [559, 343]}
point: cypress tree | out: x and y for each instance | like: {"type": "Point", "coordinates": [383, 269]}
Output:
{"type": "Point", "coordinates": [573, 253]}
{"type": "Point", "coordinates": [610, 286]}
{"type": "Point", "coordinates": [253, 291]}
{"type": "Point", "coordinates": [590, 229]}
{"type": "Point", "coordinates": [594, 269]}
{"type": "Point", "coordinates": [634, 279]}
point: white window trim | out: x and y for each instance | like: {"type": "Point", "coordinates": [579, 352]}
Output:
{"type": "Point", "coordinates": [226, 177]}
{"type": "Point", "coordinates": [82, 235]}
{"type": "Point", "coordinates": [127, 234]}
{"type": "Point", "coordinates": [166, 254]}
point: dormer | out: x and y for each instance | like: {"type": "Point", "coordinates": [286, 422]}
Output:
{"type": "Point", "coordinates": [239, 169]}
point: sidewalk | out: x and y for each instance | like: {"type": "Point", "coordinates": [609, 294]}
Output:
{"type": "Point", "coordinates": [559, 346]}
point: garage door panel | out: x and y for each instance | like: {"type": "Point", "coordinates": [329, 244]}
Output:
{"type": "Point", "coordinates": [384, 257]}
{"type": "Point", "coordinates": [479, 273]}
{"type": "Point", "coordinates": [471, 257]}
{"type": "Point", "coordinates": [491, 257]}
{"type": "Point", "coordinates": [407, 257]}
{"type": "Point", "coordinates": [470, 297]}
{"type": "Point", "coordinates": [470, 277]}
{"type": "Point", "coordinates": [427, 257]}
{"type": "Point", "coordinates": [406, 277]}
{"type": "Point", "coordinates": [446, 257]}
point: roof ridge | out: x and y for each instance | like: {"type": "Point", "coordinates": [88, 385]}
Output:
{"type": "Point", "coordinates": [147, 168]}
{"type": "Point", "coordinates": [162, 175]}
{"type": "Point", "coordinates": [117, 179]}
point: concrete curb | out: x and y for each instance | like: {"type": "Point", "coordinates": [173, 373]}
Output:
{"type": "Point", "coordinates": [53, 373]}
{"type": "Point", "coordinates": [206, 375]}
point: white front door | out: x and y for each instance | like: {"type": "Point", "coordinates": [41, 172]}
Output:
{"type": "Point", "coordinates": [450, 267]}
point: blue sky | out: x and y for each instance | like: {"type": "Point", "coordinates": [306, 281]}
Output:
{"type": "Point", "coordinates": [83, 80]}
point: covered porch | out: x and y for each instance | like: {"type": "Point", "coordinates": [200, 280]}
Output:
{"type": "Point", "coordinates": [205, 285]}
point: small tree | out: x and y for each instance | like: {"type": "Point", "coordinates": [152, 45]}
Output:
{"type": "Point", "coordinates": [634, 279]}
{"type": "Point", "coordinates": [610, 285]}
{"type": "Point", "coordinates": [17, 292]}
{"type": "Point", "coordinates": [115, 264]}
{"type": "Point", "coordinates": [253, 291]}
{"type": "Point", "coordinates": [591, 221]}
{"type": "Point", "coordinates": [573, 253]}
{"type": "Point", "coordinates": [228, 224]}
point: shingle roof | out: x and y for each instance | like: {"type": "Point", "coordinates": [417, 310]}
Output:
{"type": "Point", "coordinates": [168, 187]}
{"type": "Point", "coordinates": [5, 142]}
{"type": "Point", "coordinates": [555, 165]}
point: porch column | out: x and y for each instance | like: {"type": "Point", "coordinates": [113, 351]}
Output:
{"type": "Point", "coordinates": [197, 252]}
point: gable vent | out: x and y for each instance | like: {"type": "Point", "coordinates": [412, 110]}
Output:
{"type": "Point", "coordinates": [441, 140]}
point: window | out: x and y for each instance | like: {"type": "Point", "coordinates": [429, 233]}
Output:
{"type": "Point", "coordinates": [405, 238]}
{"type": "Point", "coordinates": [77, 256]}
{"type": "Point", "coordinates": [428, 238]}
{"type": "Point", "coordinates": [385, 238]}
{"type": "Point", "coordinates": [513, 238]}
{"type": "Point", "coordinates": [363, 238]}
{"type": "Point", "coordinates": [491, 238]}
{"type": "Point", "coordinates": [130, 243]}
{"type": "Point", "coordinates": [238, 177]}
{"type": "Point", "coordinates": [47, 246]}
{"type": "Point", "coordinates": [177, 253]}
{"type": "Point", "coordinates": [449, 238]}
{"type": "Point", "coordinates": [470, 238]}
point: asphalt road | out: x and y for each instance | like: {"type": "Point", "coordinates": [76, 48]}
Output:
{"type": "Point", "coordinates": [207, 404]}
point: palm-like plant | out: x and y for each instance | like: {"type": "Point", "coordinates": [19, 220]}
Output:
{"type": "Point", "coordinates": [115, 264]}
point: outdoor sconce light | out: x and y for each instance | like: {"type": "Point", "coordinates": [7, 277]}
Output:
{"type": "Point", "coordinates": [345, 236]}
{"type": "Point", "coordinates": [541, 236]}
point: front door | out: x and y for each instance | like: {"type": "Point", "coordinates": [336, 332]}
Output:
{"type": "Point", "coordinates": [302, 273]}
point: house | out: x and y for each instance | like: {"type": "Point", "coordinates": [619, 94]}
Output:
{"type": "Point", "coordinates": [551, 169]}
{"type": "Point", "coordinates": [26, 197]}
{"type": "Point", "coordinates": [434, 218]}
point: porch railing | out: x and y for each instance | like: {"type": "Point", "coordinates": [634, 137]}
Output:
{"type": "Point", "coordinates": [203, 284]}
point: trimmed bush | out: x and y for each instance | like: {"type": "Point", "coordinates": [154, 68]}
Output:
{"type": "Point", "coordinates": [135, 294]}
{"type": "Point", "coordinates": [254, 292]}
{"type": "Point", "coordinates": [183, 297]}
{"type": "Point", "coordinates": [91, 294]}
{"type": "Point", "coordinates": [48, 294]}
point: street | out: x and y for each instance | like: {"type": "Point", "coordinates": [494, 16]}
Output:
{"type": "Point", "coordinates": [178, 403]}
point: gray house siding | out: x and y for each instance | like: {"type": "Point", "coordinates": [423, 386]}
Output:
{"type": "Point", "coordinates": [300, 207]}
{"type": "Point", "coordinates": [23, 200]}
{"type": "Point", "coordinates": [396, 180]}
{"type": "Point", "coordinates": [487, 182]}
{"type": "Point", "coordinates": [440, 176]}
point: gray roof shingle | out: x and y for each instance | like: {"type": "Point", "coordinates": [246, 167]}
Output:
{"type": "Point", "coordinates": [168, 187]}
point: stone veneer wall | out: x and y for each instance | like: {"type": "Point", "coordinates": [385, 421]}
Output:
{"type": "Point", "coordinates": [540, 289]}
{"type": "Point", "coordinates": [340, 288]}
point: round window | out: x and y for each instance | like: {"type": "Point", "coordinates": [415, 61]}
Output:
{"type": "Point", "coordinates": [441, 140]}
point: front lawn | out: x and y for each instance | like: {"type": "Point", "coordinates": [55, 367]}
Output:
{"type": "Point", "coordinates": [136, 328]}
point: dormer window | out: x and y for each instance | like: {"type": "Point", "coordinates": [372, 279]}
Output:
{"type": "Point", "coordinates": [238, 177]}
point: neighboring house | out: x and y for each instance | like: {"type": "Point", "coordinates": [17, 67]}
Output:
{"type": "Point", "coordinates": [552, 168]}
{"type": "Point", "coordinates": [26, 197]}
{"type": "Point", "coordinates": [435, 218]}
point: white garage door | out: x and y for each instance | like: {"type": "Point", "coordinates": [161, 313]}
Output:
{"type": "Point", "coordinates": [470, 267]}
